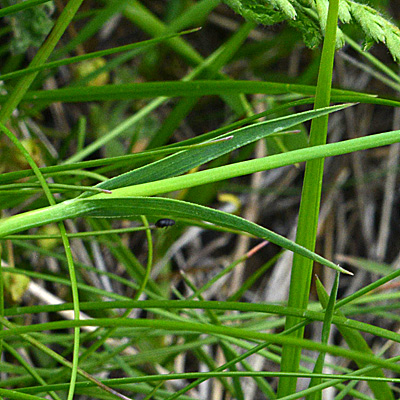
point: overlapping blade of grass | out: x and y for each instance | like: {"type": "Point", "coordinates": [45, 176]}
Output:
{"type": "Point", "coordinates": [41, 56]}
{"type": "Point", "coordinates": [175, 326]}
{"type": "Point", "coordinates": [126, 160]}
{"type": "Point", "coordinates": [136, 12]}
{"type": "Point", "coordinates": [189, 89]}
{"type": "Point", "coordinates": [208, 66]}
{"type": "Point", "coordinates": [159, 207]}
{"type": "Point", "coordinates": [20, 6]}
{"type": "Point", "coordinates": [164, 304]}
{"type": "Point", "coordinates": [326, 328]}
{"type": "Point", "coordinates": [209, 69]}
{"type": "Point", "coordinates": [251, 166]}
{"type": "Point", "coordinates": [31, 371]}
{"type": "Point", "coordinates": [79, 207]}
{"type": "Point", "coordinates": [184, 161]}
{"type": "Point", "coordinates": [77, 59]}
{"type": "Point", "coordinates": [355, 341]}
{"type": "Point", "coordinates": [306, 235]}
{"type": "Point", "coordinates": [143, 18]}
{"type": "Point", "coordinates": [94, 25]}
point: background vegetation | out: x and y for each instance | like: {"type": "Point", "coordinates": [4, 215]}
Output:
{"type": "Point", "coordinates": [118, 114]}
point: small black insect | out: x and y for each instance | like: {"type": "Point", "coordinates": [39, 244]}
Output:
{"type": "Point", "coordinates": [164, 223]}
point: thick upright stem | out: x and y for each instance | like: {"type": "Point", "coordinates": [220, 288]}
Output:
{"type": "Point", "coordinates": [310, 203]}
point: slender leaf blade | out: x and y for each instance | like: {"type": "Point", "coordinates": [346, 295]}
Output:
{"type": "Point", "coordinates": [184, 161]}
{"type": "Point", "coordinates": [355, 341]}
{"type": "Point", "coordinates": [162, 207]}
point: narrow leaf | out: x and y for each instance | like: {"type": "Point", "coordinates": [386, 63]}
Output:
{"type": "Point", "coordinates": [355, 341]}
{"type": "Point", "coordinates": [161, 207]}
{"type": "Point", "coordinates": [184, 161]}
{"type": "Point", "coordinates": [319, 365]}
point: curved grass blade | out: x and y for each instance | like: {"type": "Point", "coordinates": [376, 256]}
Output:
{"type": "Point", "coordinates": [326, 328]}
{"type": "Point", "coordinates": [20, 6]}
{"type": "Point", "coordinates": [76, 207]}
{"type": "Point", "coordinates": [184, 161]}
{"type": "Point", "coordinates": [182, 325]}
{"type": "Point", "coordinates": [73, 60]}
{"type": "Point", "coordinates": [160, 207]}
{"type": "Point", "coordinates": [355, 341]}
{"type": "Point", "coordinates": [182, 89]}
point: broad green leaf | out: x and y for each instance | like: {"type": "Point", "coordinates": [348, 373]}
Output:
{"type": "Point", "coordinates": [78, 207]}
{"type": "Point", "coordinates": [59, 212]}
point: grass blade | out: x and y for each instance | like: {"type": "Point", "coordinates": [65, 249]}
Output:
{"type": "Point", "coordinates": [355, 341]}
{"type": "Point", "coordinates": [300, 279]}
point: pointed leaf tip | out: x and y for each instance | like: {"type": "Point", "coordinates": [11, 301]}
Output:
{"type": "Point", "coordinates": [344, 271]}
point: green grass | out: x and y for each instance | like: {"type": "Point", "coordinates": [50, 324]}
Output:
{"type": "Point", "coordinates": [99, 302]}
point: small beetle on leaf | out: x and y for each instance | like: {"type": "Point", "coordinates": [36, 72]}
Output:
{"type": "Point", "coordinates": [164, 223]}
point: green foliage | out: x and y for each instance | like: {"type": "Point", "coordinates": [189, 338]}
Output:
{"type": "Point", "coordinates": [310, 19]}
{"type": "Point", "coordinates": [109, 262]}
{"type": "Point", "coordinates": [30, 26]}
{"type": "Point", "coordinates": [355, 341]}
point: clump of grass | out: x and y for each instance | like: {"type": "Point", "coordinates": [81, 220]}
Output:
{"type": "Point", "coordinates": [101, 299]}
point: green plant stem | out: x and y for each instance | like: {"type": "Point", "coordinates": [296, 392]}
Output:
{"type": "Point", "coordinates": [32, 371]}
{"type": "Point", "coordinates": [319, 364]}
{"type": "Point", "coordinates": [89, 56]}
{"type": "Point", "coordinates": [73, 208]}
{"type": "Point", "coordinates": [41, 56]}
{"type": "Point", "coordinates": [19, 91]}
{"type": "Point", "coordinates": [20, 6]}
{"type": "Point", "coordinates": [61, 359]}
{"type": "Point", "coordinates": [182, 325]}
{"type": "Point", "coordinates": [340, 321]}
{"type": "Point", "coordinates": [301, 274]}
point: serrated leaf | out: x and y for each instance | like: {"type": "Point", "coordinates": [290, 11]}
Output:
{"type": "Point", "coordinates": [322, 10]}
{"type": "Point", "coordinates": [392, 43]}
{"type": "Point", "coordinates": [254, 11]}
{"type": "Point", "coordinates": [286, 7]}
{"type": "Point", "coordinates": [344, 12]}
{"type": "Point", "coordinates": [309, 28]}
{"type": "Point", "coordinates": [368, 21]}
{"type": "Point", "coordinates": [311, 16]}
